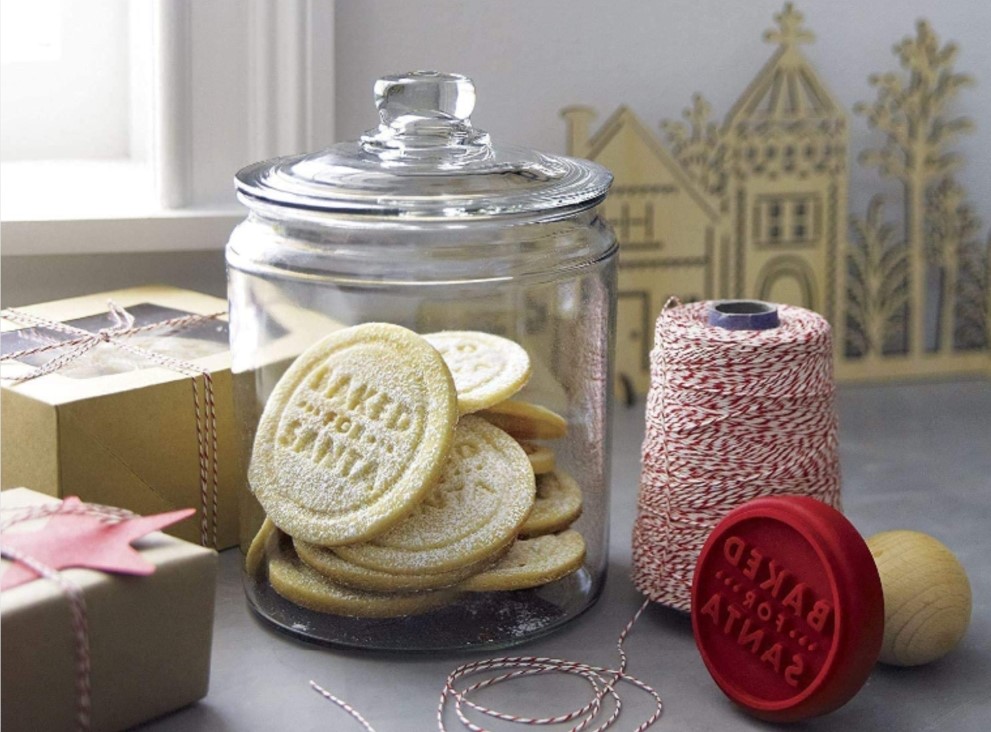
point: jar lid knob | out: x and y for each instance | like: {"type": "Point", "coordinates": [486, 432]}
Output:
{"type": "Point", "coordinates": [424, 93]}
{"type": "Point", "coordinates": [424, 116]}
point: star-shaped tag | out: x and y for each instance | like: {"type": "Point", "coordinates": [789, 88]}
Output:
{"type": "Point", "coordinates": [82, 540]}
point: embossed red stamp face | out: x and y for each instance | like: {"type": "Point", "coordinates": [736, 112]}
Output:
{"type": "Point", "coordinates": [787, 608]}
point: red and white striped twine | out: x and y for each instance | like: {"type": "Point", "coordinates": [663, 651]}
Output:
{"type": "Point", "coordinates": [355, 714]}
{"type": "Point", "coordinates": [82, 341]}
{"type": "Point", "coordinates": [72, 591]}
{"type": "Point", "coordinates": [731, 416]}
{"type": "Point", "coordinates": [602, 681]}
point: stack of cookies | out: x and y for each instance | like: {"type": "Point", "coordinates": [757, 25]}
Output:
{"type": "Point", "coordinates": [397, 473]}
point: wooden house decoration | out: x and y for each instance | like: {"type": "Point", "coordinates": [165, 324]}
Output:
{"type": "Point", "coordinates": [668, 227]}
{"type": "Point", "coordinates": [753, 207]}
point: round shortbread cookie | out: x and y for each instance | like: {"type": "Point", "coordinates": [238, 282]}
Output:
{"type": "Point", "coordinates": [541, 457]}
{"type": "Point", "coordinates": [531, 563]}
{"type": "Point", "coordinates": [487, 369]}
{"type": "Point", "coordinates": [354, 435]}
{"type": "Point", "coordinates": [326, 562]}
{"type": "Point", "coordinates": [256, 552]}
{"type": "Point", "coordinates": [303, 586]}
{"type": "Point", "coordinates": [558, 504]}
{"type": "Point", "coordinates": [483, 497]}
{"type": "Point", "coordinates": [526, 421]}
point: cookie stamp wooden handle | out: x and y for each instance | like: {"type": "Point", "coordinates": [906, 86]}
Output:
{"type": "Point", "coordinates": [927, 599]}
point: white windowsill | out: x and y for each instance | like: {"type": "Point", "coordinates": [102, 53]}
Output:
{"type": "Point", "coordinates": [39, 190]}
{"type": "Point", "coordinates": [89, 206]}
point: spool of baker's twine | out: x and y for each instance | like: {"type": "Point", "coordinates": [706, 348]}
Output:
{"type": "Point", "coordinates": [732, 414]}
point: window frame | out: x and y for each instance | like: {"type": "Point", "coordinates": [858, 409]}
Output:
{"type": "Point", "coordinates": [787, 219]}
{"type": "Point", "coordinates": [279, 54]}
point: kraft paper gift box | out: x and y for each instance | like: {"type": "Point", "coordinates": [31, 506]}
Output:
{"type": "Point", "coordinates": [149, 636]}
{"type": "Point", "coordinates": [120, 430]}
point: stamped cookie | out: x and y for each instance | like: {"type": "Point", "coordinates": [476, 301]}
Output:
{"type": "Point", "coordinates": [306, 587]}
{"type": "Point", "coordinates": [256, 552]}
{"type": "Point", "coordinates": [354, 435]}
{"type": "Point", "coordinates": [487, 369]}
{"type": "Point", "coordinates": [526, 421]}
{"type": "Point", "coordinates": [477, 507]}
{"type": "Point", "coordinates": [541, 457]}
{"type": "Point", "coordinates": [327, 563]}
{"type": "Point", "coordinates": [531, 563]}
{"type": "Point", "coordinates": [558, 504]}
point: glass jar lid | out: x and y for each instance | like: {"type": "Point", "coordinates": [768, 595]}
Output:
{"type": "Point", "coordinates": [425, 161]}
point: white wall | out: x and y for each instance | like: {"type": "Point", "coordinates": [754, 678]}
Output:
{"type": "Point", "coordinates": [530, 58]}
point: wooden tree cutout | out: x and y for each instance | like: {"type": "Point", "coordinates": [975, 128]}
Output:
{"type": "Point", "coordinates": [951, 227]}
{"type": "Point", "coordinates": [973, 312]}
{"type": "Point", "coordinates": [877, 286]}
{"type": "Point", "coordinates": [912, 114]}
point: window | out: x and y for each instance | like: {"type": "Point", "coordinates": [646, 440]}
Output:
{"type": "Point", "coordinates": [83, 73]}
{"type": "Point", "coordinates": [786, 220]}
{"type": "Point", "coordinates": [634, 222]}
{"type": "Point", "coordinates": [774, 221]}
{"type": "Point", "coordinates": [799, 220]}
{"type": "Point", "coordinates": [146, 111]}
{"type": "Point", "coordinates": [72, 87]}
{"type": "Point", "coordinates": [636, 228]}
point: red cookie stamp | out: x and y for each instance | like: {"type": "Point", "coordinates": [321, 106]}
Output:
{"type": "Point", "coordinates": [787, 608]}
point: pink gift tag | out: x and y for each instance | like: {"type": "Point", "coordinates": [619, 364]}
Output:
{"type": "Point", "coordinates": [75, 539]}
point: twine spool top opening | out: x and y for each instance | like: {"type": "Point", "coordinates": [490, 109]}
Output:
{"type": "Point", "coordinates": [743, 315]}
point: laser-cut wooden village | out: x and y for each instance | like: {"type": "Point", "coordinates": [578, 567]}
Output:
{"type": "Point", "coordinates": [757, 206]}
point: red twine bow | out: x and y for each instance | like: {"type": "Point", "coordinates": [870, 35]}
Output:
{"type": "Point", "coordinates": [82, 341]}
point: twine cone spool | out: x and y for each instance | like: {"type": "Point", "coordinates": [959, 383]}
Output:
{"type": "Point", "coordinates": [731, 415]}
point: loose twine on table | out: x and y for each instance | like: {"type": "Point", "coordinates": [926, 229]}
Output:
{"type": "Point", "coordinates": [602, 680]}
{"type": "Point", "coordinates": [72, 591]}
{"type": "Point", "coordinates": [731, 416]}
{"type": "Point", "coordinates": [82, 341]}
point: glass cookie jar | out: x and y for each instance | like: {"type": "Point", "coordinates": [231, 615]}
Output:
{"type": "Point", "coordinates": [425, 224]}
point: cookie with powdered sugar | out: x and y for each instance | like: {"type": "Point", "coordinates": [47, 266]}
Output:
{"type": "Point", "coordinates": [531, 563]}
{"type": "Point", "coordinates": [526, 421]}
{"type": "Point", "coordinates": [255, 557]}
{"type": "Point", "coordinates": [301, 585]}
{"type": "Point", "coordinates": [483, 497]}
{"type": "Point", "coordinates": [355, 434]}
{"type": "Point", "coordinates": [558, 504]}
{"type": "Point", "coordinates": [541, 457]}
{"type": "Point", "coordinates": [487, 369]}
{"type": "Point", "coordinates": [325, 561]}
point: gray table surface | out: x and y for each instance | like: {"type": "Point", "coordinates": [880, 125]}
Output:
{"type": "Point", "coordinates": [914, 456]}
